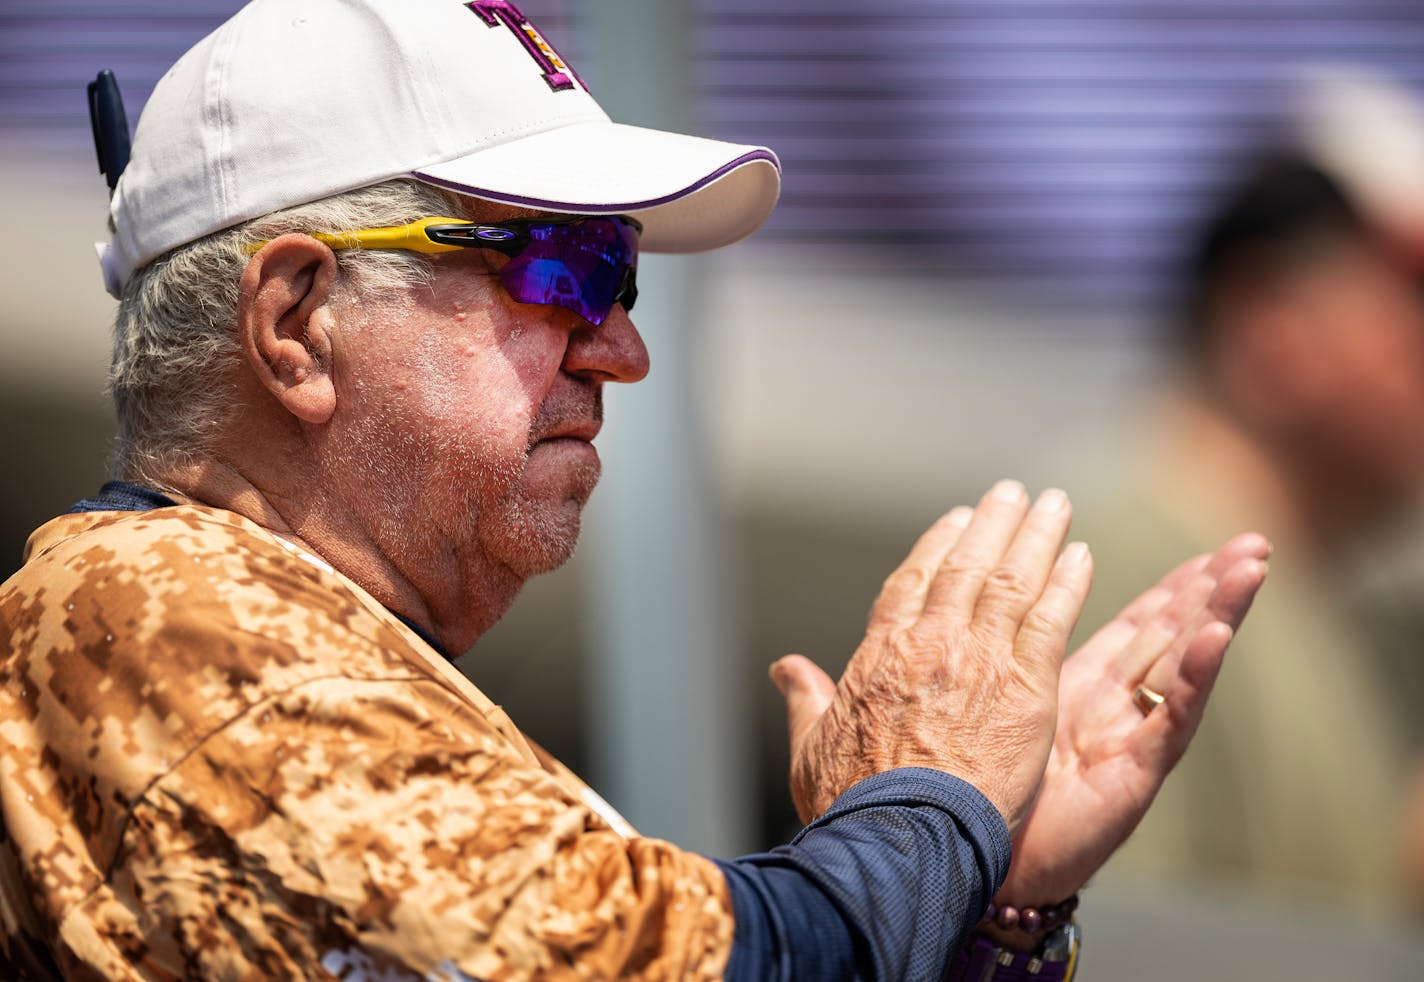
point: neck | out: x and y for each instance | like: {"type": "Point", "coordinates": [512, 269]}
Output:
{"type": "Point", "coordinates": [413, 576]}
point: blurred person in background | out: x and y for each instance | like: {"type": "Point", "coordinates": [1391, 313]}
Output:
{"type": "Point", "coordinates": [358, 372]}
{"type": "Point", "coordinates": [1301, 413]}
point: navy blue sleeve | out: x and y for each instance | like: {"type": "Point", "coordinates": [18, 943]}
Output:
{"type": "Point", "coordinates": [885, 885]}
{"type": "Point", "coordinates": [120, 496]}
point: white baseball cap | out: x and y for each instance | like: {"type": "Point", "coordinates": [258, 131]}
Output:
{"type": "Point", "coordinates": [294, 100]}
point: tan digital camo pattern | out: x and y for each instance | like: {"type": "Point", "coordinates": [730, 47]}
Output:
{"type": "Point", "coordinates": [221, 759]}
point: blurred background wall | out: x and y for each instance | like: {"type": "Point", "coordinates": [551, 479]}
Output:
{"type": "Point", "coordinates": [970, 276]}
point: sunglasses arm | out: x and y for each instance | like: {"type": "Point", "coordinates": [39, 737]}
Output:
{"type": "Point", "coordinates": [411, 237]}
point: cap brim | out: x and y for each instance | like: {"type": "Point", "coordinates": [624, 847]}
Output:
{"type": "Point", "coordinates": [690, 193]}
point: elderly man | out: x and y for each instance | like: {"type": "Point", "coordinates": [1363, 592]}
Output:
{"type": "Point", "coordinates": [375, 261]}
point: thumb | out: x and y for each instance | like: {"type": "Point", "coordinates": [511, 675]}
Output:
{"type": "Point", "coordinates": [808, 692]}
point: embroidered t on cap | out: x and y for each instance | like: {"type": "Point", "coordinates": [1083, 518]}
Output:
{"type": "Point", "coordinates": [286, 103]}
{"type": "Point", "coordinates": [496, 12]}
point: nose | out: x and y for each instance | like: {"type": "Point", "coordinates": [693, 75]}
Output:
{"type": "Point", "coordinates": [611, 352]}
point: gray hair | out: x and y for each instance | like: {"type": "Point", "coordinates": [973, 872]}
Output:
{"type": "Point", "coordinates": [175, 338]}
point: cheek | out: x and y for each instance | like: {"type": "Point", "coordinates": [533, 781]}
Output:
{"type": "Point", "coordinates": [467, 374]}
{"type": "Point", "coordinates": [1394, 365]}
{"type": "Point", "coordinates": [480, 415]}
{"type": "Point", "coordinates": [483, 387]}
{"type": "Point", "coordinates": [1381, 397]}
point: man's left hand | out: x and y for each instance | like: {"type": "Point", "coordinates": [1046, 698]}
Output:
{"type": "Point", "coordinates": [1110, 755]}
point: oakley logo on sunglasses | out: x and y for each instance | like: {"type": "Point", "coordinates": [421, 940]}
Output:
{"type": "Point", "coordinates": [556, 71]}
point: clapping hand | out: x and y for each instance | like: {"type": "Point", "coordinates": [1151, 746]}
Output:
{"type": "Point", "coordinates": [959, 667]}
{"type": "Point", "coordinates": [1115, 745]}
{"type": "Point", "coordinates": [963, 643]}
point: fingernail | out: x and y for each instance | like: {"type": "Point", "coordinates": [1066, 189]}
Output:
{"type": "Point", "coordinates": [1051, 501]}
{"type": "Point", "coordinates": [960, 516]}
{"type": "Point", "coordinates": [1009, 491]}
{"type": "Point", "coordinates": [777, 676]}
{"type": "Point", "coordinates": [1076, 554]}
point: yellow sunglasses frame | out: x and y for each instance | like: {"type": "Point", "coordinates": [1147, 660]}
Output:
{"type": "Point", "coordinates": [411, 237]}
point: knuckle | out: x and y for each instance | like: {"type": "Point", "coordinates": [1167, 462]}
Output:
{"type": "Point", "coordinates": [1011, 583]}
{"type": "Point", "coordinates": [910, 646]}
{"type": "Point", "coordinates": [963, 567]}
{"type": "Point", "coordinates": [915, 659]}
{"type": "Point", "coordinates": [905, 581]}
{"type": "Point", "coordinates": [1047, 626]}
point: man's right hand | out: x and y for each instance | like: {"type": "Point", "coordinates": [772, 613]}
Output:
{"type": "Point", "coordinates": [959, 667]}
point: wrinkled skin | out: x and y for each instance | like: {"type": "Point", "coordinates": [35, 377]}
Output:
{"type": "Point", "coordinates": [959, 670]}
{"type": "Point", "coordinates": [959, 667]}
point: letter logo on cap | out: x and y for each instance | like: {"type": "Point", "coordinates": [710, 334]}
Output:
{"type": "Point", "coordinates": [556, 72]}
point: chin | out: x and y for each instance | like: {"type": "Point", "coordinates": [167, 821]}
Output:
{"type": "Point", "coordinates": [540, 539]}
{"type": "Point", "coordinates": [534, 525]}
{"type": "Point", "coordinates": [553, 552]}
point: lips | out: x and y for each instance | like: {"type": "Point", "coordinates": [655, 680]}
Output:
{"type": "Point", "coordinates": [585, 431]}
{"type": "Point", "coordinates": [576, 415]}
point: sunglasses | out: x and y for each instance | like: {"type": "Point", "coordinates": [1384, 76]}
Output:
{"type": "Point", "coordinates": [582, 264]}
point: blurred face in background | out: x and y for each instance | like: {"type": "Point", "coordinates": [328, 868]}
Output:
{"type": "Point", "coordinates": [1365, 312]}
{"type": "Point", "coordinates": [1326, 353]}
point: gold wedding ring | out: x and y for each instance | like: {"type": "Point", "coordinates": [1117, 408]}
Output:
{"type": "Point", "coordinates": [1147, 699]}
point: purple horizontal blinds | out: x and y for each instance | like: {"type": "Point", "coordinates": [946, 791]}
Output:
{"type": "Point", "coordinates": [1064, 146]}
{"type": "Point", "coordinates": [50, 49]}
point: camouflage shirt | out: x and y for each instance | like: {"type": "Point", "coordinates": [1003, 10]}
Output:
{"type": "Point", "coordinates": [220, 758]}
{"type": "Point", "coordinates": [207, 771]}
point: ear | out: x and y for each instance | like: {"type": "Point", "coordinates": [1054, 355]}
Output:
{"type": "Point", "coordinates": [284, 321]}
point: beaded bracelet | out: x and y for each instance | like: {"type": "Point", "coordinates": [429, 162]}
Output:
{"type": "Point", "coordinates": [1030, 919]}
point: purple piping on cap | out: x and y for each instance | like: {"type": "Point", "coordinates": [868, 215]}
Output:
{"type": "Point", "coordinates": [516, 199]}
